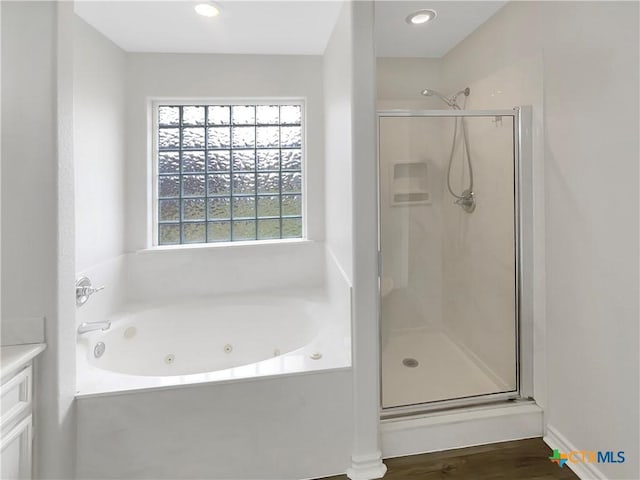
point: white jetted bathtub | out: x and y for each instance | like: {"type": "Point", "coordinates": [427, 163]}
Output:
{"type": "Point", "coordinates": [207, 340]}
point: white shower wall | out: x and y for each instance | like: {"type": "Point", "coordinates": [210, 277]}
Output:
{"type": "Point", "coordinates": [479, 283]}
{"type": "Point", "coordinates": [411, 237]}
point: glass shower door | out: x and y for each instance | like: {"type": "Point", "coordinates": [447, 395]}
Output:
{"type": "Point", "coordinates": [448, 237]}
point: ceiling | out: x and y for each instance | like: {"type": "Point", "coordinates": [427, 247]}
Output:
{"type": "Point", "coordinates": [243, 27]}
{"type": "Point", "coordinates": [293, 27]}
{"type": "Point", "coordinates": [455, 20]}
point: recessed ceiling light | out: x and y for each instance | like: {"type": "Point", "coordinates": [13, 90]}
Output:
{"type": "Point", "coordinates": [207, 10]}
{"type": "Point", "coordinates": [420, 17]}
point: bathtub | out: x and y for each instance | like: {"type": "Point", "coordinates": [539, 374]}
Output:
{"type": "Point", "coordinates": [252, 385]}
{"type": "Point", "coordinates": [219, 339]}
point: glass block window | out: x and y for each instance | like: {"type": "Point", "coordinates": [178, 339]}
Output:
{"type": "Point", "coordinates": [228, 173]}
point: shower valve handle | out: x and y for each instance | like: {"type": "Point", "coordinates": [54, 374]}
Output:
{"type": "Point", "coordinates": [88, 291]}
{"type": "Point", "coordinates": [84, 289]}
{"type": "Point", "coordinates": [467, 201]}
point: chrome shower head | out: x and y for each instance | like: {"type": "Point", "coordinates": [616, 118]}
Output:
{"type": "Point", "coordinates": [427, 92]}
{"type": "Point", "coordinates": [451, 102]}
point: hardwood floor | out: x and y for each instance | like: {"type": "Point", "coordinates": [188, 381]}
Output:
{"type": "Point", "coordinates": [518, 460]}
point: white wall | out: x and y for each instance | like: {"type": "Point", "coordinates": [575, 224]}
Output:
{"type": "Point", "coordinates": [99, 101]}
{"type": "Point", "coordinates": [590, 73]}
{"type": "Point", "coordinates": [0, 177]}
{"type": "Point", "coordinates": [29, 161]}
{"type": "Point", "coordinates": [400, 81]}
{"type": "Point", "coordinates": [222, 76]}
{"type": "Point", "coordinates": [99, 166]}
{"type": "Point", "coordinates": [338, 165]}
{"type": "Point", "coordinates": [219, 76]}
{"type": "Point", "coordinates": [30, 233]}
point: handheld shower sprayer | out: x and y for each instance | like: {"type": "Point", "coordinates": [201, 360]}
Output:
{"type": "Point", "coordinates": [466, 199]}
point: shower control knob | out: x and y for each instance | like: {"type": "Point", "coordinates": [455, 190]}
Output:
{"type": "Point", "coordinates": [467, 201]}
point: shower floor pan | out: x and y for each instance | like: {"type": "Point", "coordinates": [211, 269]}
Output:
{"type": "Point", "coordinates": [443, 370]}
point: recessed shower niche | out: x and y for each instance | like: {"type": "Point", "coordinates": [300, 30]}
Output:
{"type": "Point", "coordinates": [409, 183]}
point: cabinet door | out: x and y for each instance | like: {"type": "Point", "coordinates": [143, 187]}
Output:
{"type": "Point", "coordinates": [15, 396]}
{"type": "Point", "coordinates": [15, 448]}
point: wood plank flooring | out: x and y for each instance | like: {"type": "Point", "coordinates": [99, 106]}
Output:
{"type": "Point", "coordinates": [518, 460]}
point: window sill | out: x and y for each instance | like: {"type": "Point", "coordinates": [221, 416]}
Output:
{"type": "Point", "coordinates": [226, 245]}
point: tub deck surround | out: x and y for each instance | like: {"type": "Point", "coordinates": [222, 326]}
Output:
{"type": "Point", "coordinates": [177, 272]}
{"type": "Point", "coordinates": [286, 427]}
{"type": "Point", "coordinates": [220, 339]}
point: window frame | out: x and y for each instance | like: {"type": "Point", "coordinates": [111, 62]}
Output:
{"type": "Point", "coordinates": [153, 167]}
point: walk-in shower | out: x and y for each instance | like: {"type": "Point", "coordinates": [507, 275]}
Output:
{"type": "Point", "coordinates": [449, 283]}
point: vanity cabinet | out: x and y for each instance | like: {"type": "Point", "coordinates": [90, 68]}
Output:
{"type": "Point", "coordinates": [16, 407]}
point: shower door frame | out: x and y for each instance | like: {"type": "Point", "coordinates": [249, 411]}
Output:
{"type": "Point", "coordinates": [521, 116]}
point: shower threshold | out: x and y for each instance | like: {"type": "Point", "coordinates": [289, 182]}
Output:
{"type": "Point", "coordinates": [455, 405]}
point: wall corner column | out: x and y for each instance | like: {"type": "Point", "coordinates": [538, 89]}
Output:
{"type": "Point", "coordinates": [366, 460]}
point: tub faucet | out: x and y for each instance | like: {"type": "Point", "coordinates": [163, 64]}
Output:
{"type": "Point", "coordinates": [86, 327]}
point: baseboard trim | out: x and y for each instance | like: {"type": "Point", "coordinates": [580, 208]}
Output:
{"type": "Point", "coordinates": [463, 428]}
{"type": "Point", "coordinates": [367, 467]}
{"type": "Point", "coordinates": [586, 471]}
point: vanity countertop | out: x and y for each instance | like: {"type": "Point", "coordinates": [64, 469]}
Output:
{"type": "Point", "coordinates": [12, 357]}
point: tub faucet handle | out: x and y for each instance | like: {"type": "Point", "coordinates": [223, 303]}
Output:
{"type": "Point", "coordinates": [94, 289]}
{"type": "Point", "coordinates": [84, 289]}
{"type": "Point", "coordinates": [88, 291]}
